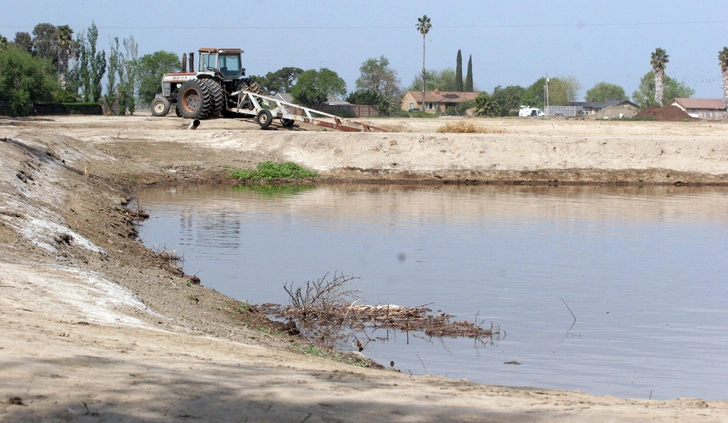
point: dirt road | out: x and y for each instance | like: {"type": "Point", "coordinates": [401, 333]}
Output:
{"type": "Point", "coordinates": [97, 328]}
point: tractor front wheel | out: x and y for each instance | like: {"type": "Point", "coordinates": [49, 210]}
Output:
{"type": "Point", "coordinates": [287, 123]}
{"type": "Point", "coordinates": [160, 106]}
{"type": "Point", "coordinates": [264, 118]}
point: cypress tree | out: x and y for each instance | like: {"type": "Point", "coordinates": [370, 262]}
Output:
{"type": "Point", "coordinates": [469, 78]}
{"type": "Point", "coordinates": [459, 73]}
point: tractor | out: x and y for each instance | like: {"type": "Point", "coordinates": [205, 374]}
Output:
{"type": "Point", "coordinates": [219, 88]}
{"type": "Point", "coordinates": [210, 91]}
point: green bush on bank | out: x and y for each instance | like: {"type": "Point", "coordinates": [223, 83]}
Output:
{"type": "Point", "coordinates": [270, 170]}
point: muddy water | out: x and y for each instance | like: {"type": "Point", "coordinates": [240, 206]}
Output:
{"type": "Point", "coordinates": [616, 291]}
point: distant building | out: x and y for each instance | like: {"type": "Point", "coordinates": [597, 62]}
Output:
{"type": "Point", "coordinates": [702, 108]}
{"type": "Point", "coordinates": [435, 101]}
{"type": "Point", "coordinates": [594, 107]}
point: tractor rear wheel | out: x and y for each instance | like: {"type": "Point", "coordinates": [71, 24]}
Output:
{"type": "Point", "coordinates": [160, 106]}
{"type": "Point", "coordinates": [218, 98]}
{"type": "Point", "coordinates": [264, 118]}
{"type": "Point", "coordinates": [194, 100]}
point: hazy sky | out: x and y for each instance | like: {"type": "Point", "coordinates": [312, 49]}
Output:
{"type": "Point", "coordinates": [511, 42]}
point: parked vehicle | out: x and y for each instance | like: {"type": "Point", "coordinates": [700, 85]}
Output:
{"type": "Point", "coordinates": [527, 111]}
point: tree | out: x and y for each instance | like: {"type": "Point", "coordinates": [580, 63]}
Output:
{"type": "Point", "coordinates": [280, 81]}
{"type": "Point", "coordinates": [127, 81]}
{"type": "Point", "coordinates": [23, 41]}
{"type": "Point", "coordinates": [92, 64]}
{"type": "Point", "coordinates": [469, 78]}
{"type": "Point", "coordinates": [443, 80]}
{"type": "Point", "coordinates": [507, 99]}
{"type": "Point", "coordinates": [66, 48]}
{"type": "Point", "coordinates": [723, 61]}
{"type": "Point", "coordinates": [534, 95]}
{"type": "Point", "coordinates": [423, 26]}
{"type": "Point", "coordinates": [605, 91]}
{"type": "Point", "coordinates": [485, 106]}
{"type": "Point", "coordinates": [658, 61]}
{"type": "Point", "coordinates": [45, 41]}
{"type": "Point", "coordinates": [369, 97]}
{"type": "Point", "coordinates": [377, 76]}
{"type": "Point", "coordinates": [115, 69]}
{"type": "Point", "coordinates": [644, 96]}
{"type": "Point", "coordinates": [150, 70]}
{"type": "Point", "coordinates": [563, 90]}
{"type": "Point", "coordinates": [3, 43]}
{"type": "Point", "coordinates": [315, 87]}
{"type": "Point", "coordinates": [459, 72]}
{"type": "Point", "coordinates": [25, 79]}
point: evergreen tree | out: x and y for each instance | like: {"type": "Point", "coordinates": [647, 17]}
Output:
{"type": "Point", "coordinates": [459, 72]}
{"type": "Point", "coordinates": [469, 77]}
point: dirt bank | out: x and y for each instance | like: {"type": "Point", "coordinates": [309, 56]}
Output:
{"type": "Point", "coordinates": [97, 328]}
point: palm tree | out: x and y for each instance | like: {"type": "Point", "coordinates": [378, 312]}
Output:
{"type": "Point", "coordinates": [659, 61]}
{"type": "Point", "coordinates": [65, 50]}
{"type": "Point", "coordinates": [723, 59]}
{"type": "Point", "coordinates": [423, 26]}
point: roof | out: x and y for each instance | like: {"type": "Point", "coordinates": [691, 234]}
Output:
{"type": "Point", "coordinates": [444, 96]}
{"type": "Point", "coordinates": [700, 103]}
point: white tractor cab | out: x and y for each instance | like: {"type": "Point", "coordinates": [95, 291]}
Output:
{"type": "Point", "coordinates": [527, 111]}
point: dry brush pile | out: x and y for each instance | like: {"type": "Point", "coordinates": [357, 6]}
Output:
{"type": "Point", "coordinates": [327, 311]}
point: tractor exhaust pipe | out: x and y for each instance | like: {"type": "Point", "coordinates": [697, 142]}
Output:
{"type": "Point", "coordinates": [192, 61]}
{"type": "Point", "coordinates": [195, 123]}
{"type": "Point", "coordinates": [184, 62]}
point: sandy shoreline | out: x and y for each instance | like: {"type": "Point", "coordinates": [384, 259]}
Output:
{"type": "Point", "coordinates": [100, 329]}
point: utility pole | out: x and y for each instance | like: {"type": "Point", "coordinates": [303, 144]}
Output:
{"type": "Point", "coordinates": [547, 96]}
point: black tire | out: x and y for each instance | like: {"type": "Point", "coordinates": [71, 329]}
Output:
{"type": "Point", "coordinates": [218, 98]}
{"type": "Point", "coordinates": [264, 118]}
{"type": "Point", "coordinates": [254, 87]}
{"type": "Point", "coordinates": [287, 123]}
{"type": "Point", "coordinates": [160, 106]}
{"type": "Point", "coordinates": [251, 86]}
{"type": "Point", "coordinates": [177, 111]}
{"type": "Point", "coordinates": [194, 100]}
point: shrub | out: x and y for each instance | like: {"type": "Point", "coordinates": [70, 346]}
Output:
{"type": "Point", "coordinates": [270, 170]}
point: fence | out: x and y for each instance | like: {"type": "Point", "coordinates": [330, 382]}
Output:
{"type": "Point", "coordinates": [59, 109]}
{"type": "Point", "coordinates": [562, 110]}
{"type": "Point", "coordinates": [356, 110]}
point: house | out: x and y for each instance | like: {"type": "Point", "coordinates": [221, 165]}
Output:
{"type": "Point", "coordinates": [703, 108]}
{"type": "Point", "coordinates": [593, 107]}
{"type": "Point", "coordinates": [435, 101]}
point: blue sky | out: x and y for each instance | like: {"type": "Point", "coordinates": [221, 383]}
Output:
{"type": "Point", "coordinates": [512, 43]}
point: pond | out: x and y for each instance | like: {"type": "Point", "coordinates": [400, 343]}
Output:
{"type": "Point", "coordinates": [618, 291]}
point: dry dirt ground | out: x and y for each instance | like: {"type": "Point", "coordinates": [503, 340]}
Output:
{"type": "Point", "coordinates": [97, 328]}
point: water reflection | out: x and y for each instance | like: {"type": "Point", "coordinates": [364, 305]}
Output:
{"type": "Point", "coordinates": [642, 271]}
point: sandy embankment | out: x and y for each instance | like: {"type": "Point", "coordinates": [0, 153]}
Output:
{"type": "Point", "coordinates": [96, 328]}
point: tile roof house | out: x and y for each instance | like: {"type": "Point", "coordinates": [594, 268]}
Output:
{"type": "Point", "coordinates": [703, 108]}
{"type": "Point", "coordinates": [435, 101]}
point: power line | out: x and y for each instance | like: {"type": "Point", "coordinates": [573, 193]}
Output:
{"type": "Point", "coordinates": [380, 27]}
